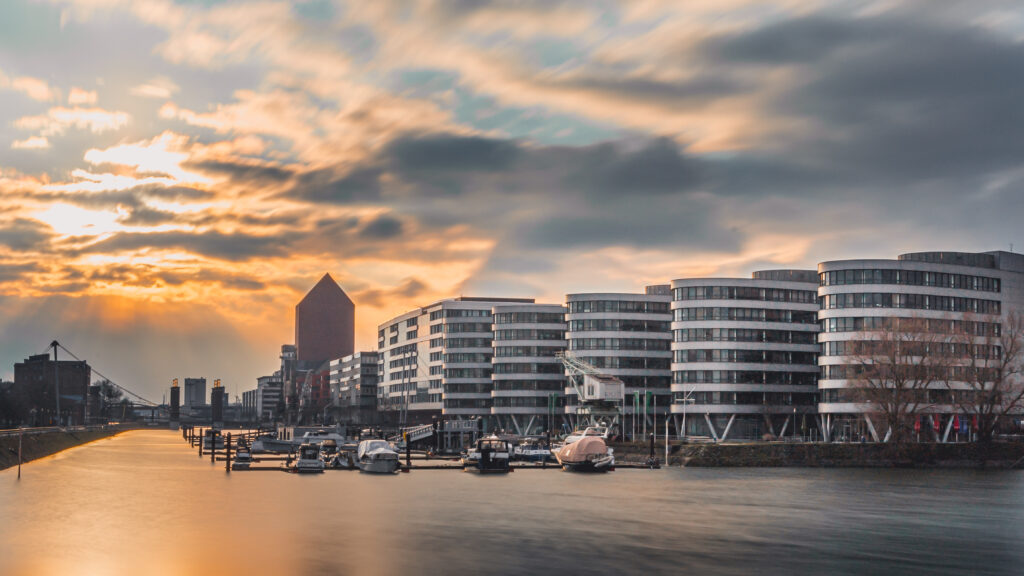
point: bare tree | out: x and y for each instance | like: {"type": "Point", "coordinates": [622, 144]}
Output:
{"type": "Point", "coordinates": [896, 364]}
{"type": "Point", "coordinates": [988, 381]}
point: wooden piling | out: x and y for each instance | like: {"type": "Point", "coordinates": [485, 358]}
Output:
{"type": "Point", "coordinates": [227, 453]}
{"type": "Point", "coordinates": [213, 444]}
{"type": "Point", "coordinates": [200, 444]}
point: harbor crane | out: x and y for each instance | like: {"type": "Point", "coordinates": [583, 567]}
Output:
{"type": "Point", "coordinates": [601, 396]}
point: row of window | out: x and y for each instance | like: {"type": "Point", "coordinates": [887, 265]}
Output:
{"type": "Point", "coordinates": [935, 397]}
{"type": "Point", "coordinates": [529, 318]}
{"type": "Point", "coordinates": [528, 368]}
{"type": "Point", "coordinates": [630, 362]}
{"type": "Point", "coordinates": [750, 398]}
{"type": "Point", "coordinates": [618, 325]}
{"type": "Point", "coordinates": [909, 301]}
{"type": "Point", "coordinates": [529, 385]}
{"type": "Point", "coordinates": [744, 335]}
{"type": "Point", "coordinates": [465, 327]}
{"type": "Point", "coordinates": [745, 293]}
{"type": "Point", "coordinates": [459, 313]}
{"type": "Point", "coordinates": [910, 374]}
{"type": "Point", "coordinates": [909, 278]}
{"type": "Point", "coordinates": [931, 325]}
{"type": "Point", "coordinates": [521, 351]}
{"type": "Point", "coordinates": [472, 388]}
{"type": "Point", "coordinates": [403, 375]}
{"type": "Point", "coordinates": [745, 315]}
{"type": "Point", "coordinates": [619, 344]}
{"type": "Point", "coordinates": [467, 373]}
{"type": "Point", "coordinates": [620, 306]}
{"type": "Point", "coordinates": [744, 377]}
{"type": "Point", "coordinates": [898, 349]}
{"type": "Point", "coordinates": [467, 403]}
{"type": "Point", "coordinates": [467, 357]}
{"type": "Point", "coordinates": [529, 334]}
{"type": "Point", "coordinates": [747, 356]}
{"type": "Point", "coordinates": [523, 402]}
{"type": "Point", "coordinates": [468, 343]}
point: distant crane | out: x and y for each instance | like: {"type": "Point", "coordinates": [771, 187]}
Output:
{"type": "Point", "coordinates": [601, 396]}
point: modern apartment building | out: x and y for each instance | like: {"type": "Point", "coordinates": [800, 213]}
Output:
{"type": "Point", "coordinates": [269, 397]}
{"type": "Point", "coordinates": [745, 354]}
{"type": "Point", "coordinates": [436, 361]}
{"type": "Point", "coordinates": [627, 336]}
{"type": "Point", "coordinates": [354, 388]}
{"type": "Point", "coordinates": [528, 380]}
{"type": "Point", "coordinates": [939, 291]}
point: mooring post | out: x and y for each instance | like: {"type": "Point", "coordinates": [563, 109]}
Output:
{"type": "Point", "coordinates": [227, 453]}
{"type": "Point", "coordinates": [408, 450]}
{"type": "Point", "coordinates": [200, 443]}
{"type": "Point", "coordinates": [213, 445]}
{"type": "Point", "coordinates": [652, 445]}
{"type": "Point", "coordinates": [21, 434]}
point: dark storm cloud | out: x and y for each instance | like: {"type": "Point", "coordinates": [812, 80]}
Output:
{"type": "Point", "coordinates": [232, 247]}
{"type": "Point", "coordinates": [325, 186]}
{"type": "Point", "coordinates": [242, 172]}
{"type": "Point", "coordinates": [701, 89]}
{"type": "Point", "coordinates": [23, 234]}
{"type": "Point", "coordinates": [382, 227]}
{"type": "Point", "coordinates": [451, 153]}
{"type": "Point", "coordinates": [657, 166]}
{"type": "Point", "coordinates": [892, 98]}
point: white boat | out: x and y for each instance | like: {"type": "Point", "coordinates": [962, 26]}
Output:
{"type": "Point", "coordinates": [376, 456]}
{"type": "Point", "coordinates": [319, 436]}
{"type": "Point", "coordinates": [308, 459]}
{"type": "Point", "coordinates": [531, 450]}
{"type": "Point", "coordinates": [602, 432]}
{"type": "Point", "coordinates": [270, 443]}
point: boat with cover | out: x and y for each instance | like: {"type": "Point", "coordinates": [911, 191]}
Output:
{"type": "Point", "coordinates": [490, 455]}
{"type": "Point", "coordinates": [270, 443]}
{"type": "Point", "coordinates": [588, 454]}
{"type": "Point", "coordinates": [531, 450]}
{"type": "Point", "coordinates": [376, 456]}
{"type": "Point", "coordinates": [308, 459]}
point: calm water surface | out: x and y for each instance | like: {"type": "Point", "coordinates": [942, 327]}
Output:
{"type": "Point", "coordinates": [144, 503]}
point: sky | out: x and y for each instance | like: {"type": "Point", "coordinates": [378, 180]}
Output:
{"type": "Point", "coordinates": [175, 174]}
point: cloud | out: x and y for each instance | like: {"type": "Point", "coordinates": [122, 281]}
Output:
{"type": "Point", "coordinates": [34, 88]}
{"type": "Point", "coordinates": [231, 247]}
{"type": "Point", "coordinates": [382, 227]}
{"type": "Point", "coordinates": [31, 143]}
{"type": "Point", "coordinates": [160, 87]}
{"type": "Point", "coordinates": [25, 235]}
{"type": "Point", "coordinates": [59, 119]}
{"type": "Point", "coordinates": [79, 96]}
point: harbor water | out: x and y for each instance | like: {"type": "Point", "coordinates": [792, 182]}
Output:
{"type": "Point", "coordinates": [144, 503]}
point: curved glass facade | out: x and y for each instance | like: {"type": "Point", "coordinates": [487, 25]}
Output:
{"type": "Point", "coordinates": [745, 355]}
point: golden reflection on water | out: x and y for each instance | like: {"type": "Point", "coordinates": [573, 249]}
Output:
{"type": "Point", "coordinates": [144, 503]}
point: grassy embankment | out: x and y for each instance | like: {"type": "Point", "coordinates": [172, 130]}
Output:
{"type": "Point", "coordinates": [820, 455]}
{"type": "Point", "coordinates": [40, 445]}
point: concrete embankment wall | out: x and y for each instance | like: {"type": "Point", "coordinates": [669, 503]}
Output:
{"type": "Point", "coordinates": [996, 455]}
{"type": "Point", "coordinates": [47, 443]}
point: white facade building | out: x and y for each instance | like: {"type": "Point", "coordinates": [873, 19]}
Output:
{"type": "Point", "coordinates": [745, 354]}
{"type": "Point", "coordinates": [353, 382]}
{"type": "Point", "coordinates": [527, 378]}
{"type": "Point", "coordinates": [436, 361]}
{"type": "Point", "coordinates": [627, 336]}
{"type": "Point", "coordinates": [939, 288]}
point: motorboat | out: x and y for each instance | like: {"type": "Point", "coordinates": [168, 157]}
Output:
{"type": "Point", "coordinates": [602, 432]}
{"type": "Point", "coordinates": [334, 457]}
{"type": "Point", "coordinates": [242, 458]}
{"type": "Point", "coordinates": [531, 450]}
{"type": "Point", "coordinates": [376, 456]}
{"type": "Point", "coordinates": [218, 441]}
{"type": "Point", "coordinates": [490, 455]}
{"type": "Point", "coordinates": [320, 436]}
{"type": "Point", "coordinates": [588, 454]}
{"type": "Point", "coordinates": [270, 443]}
{"type": "Point", "coordinates": [308, 459]}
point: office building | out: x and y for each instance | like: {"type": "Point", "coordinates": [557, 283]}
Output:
{"type": "Point", "coordinates": [745, 355]}
{"type": "Point", "coordinates": [353, 381]}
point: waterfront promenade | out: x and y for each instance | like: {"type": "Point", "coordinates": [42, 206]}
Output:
{"type": "Point", "coordinates": [142, 502]}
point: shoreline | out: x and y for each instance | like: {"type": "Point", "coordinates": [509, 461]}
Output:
{"type": "Point", "coordinates": [995, 456]}
{"type": "Point", "coordinates": [36, 446]}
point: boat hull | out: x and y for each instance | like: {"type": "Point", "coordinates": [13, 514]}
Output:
{"type": "Point", "coordinates": [379, 466]}
{"type": "Point", "coordinates": [587, 466]}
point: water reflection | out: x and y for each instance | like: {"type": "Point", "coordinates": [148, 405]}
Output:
{"type": "Point", "coordinates": [143, 503]}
